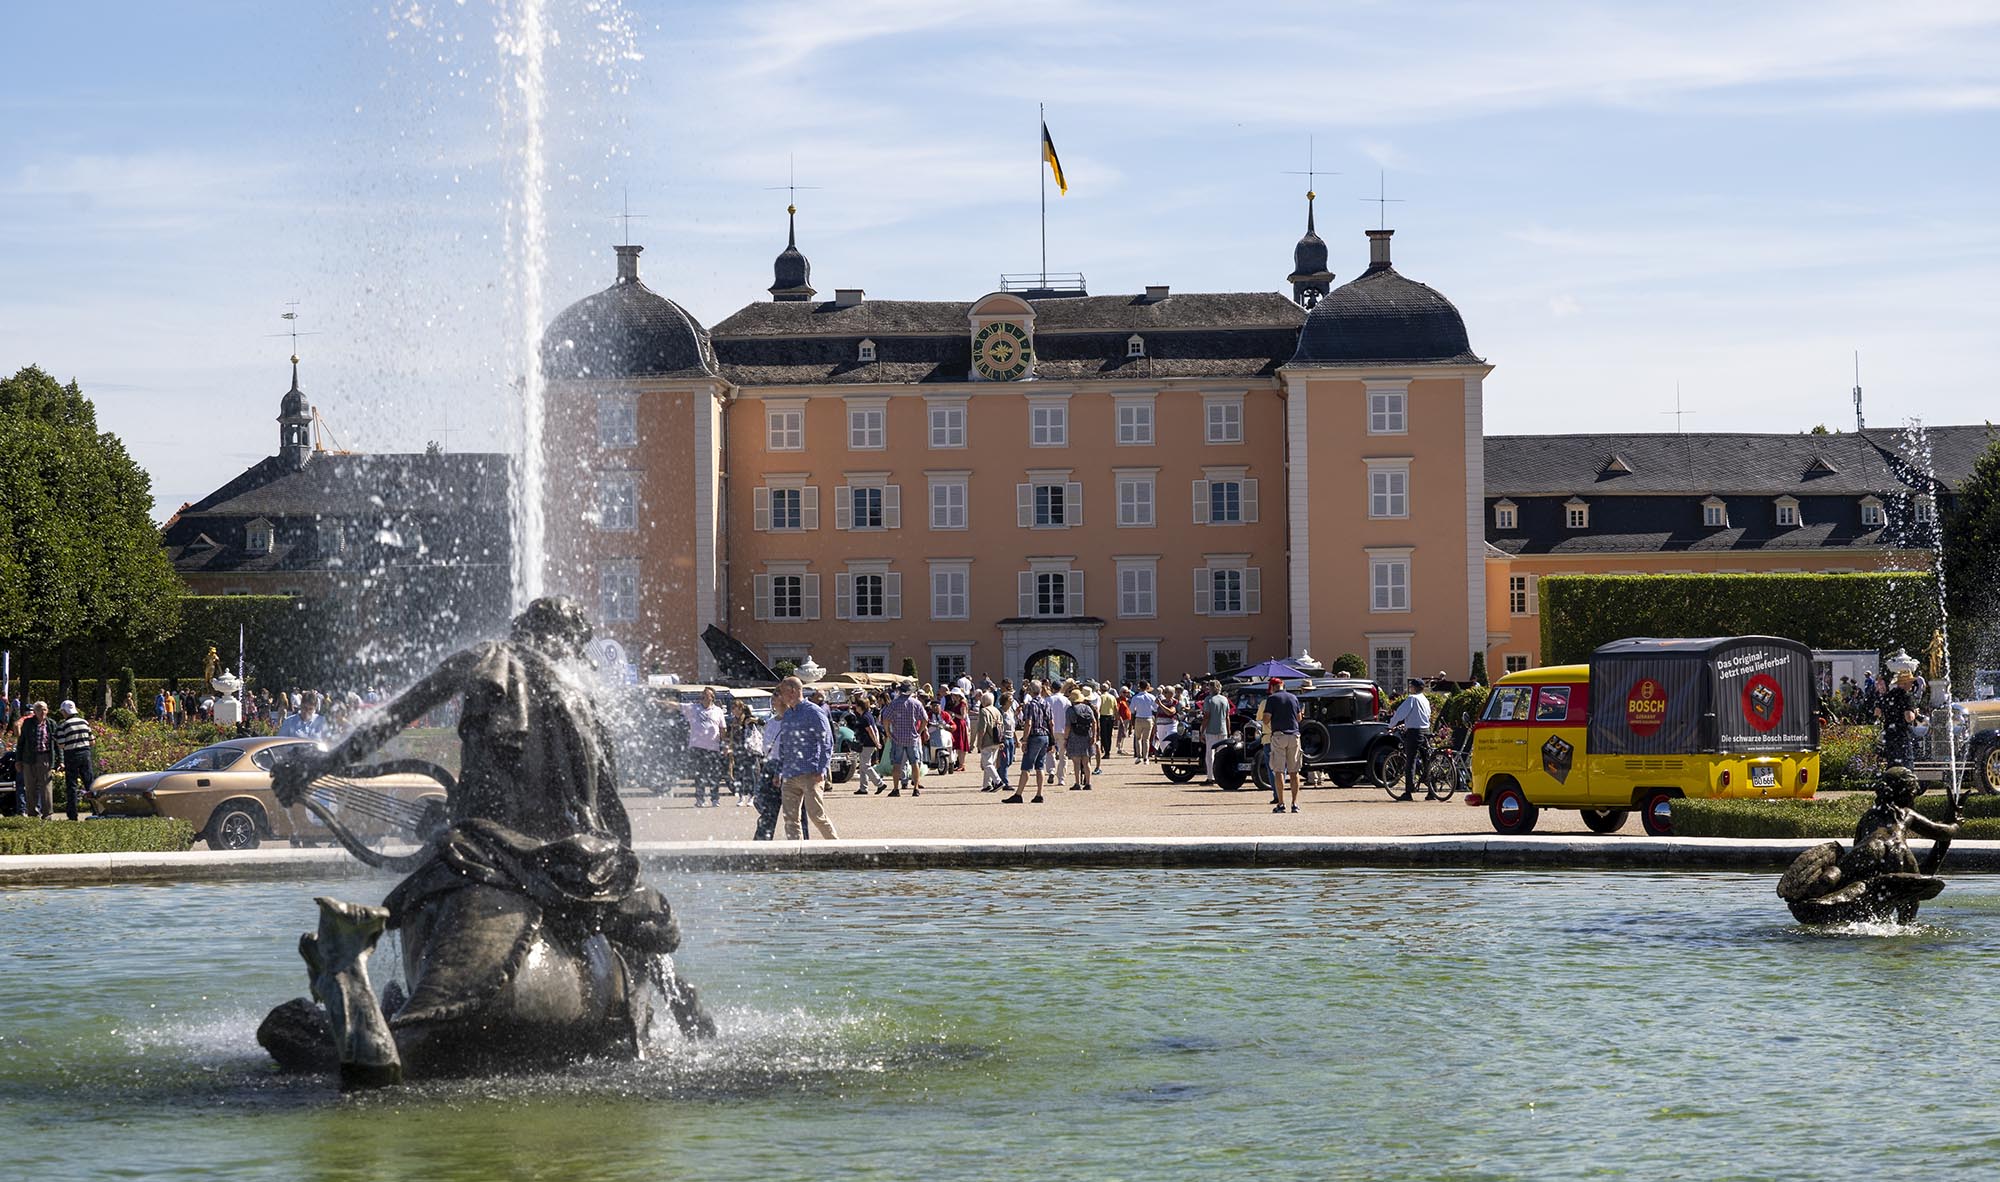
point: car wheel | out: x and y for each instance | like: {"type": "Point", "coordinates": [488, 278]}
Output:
{"type": "Point", "coordinates": [1314, 741]}
{"type": "Point", "coordinates": [1656, 812]}
{"type": "Point", "coordinates": [1228, 776]}
{"type": "Point", "coordinates": [236, 826]}
{"type": "Point", "coordinates": [1345, 779]}
{"type": "Point", "coordinates": [1180, 773]}
{"type": "Point", "coordinates": [1986, 768]}
{"type": "Point", "coordinates": [1605, 820]}
{"type": "Point", "coordinates": [842, 773]}
{"type": "Point", "coordinates": [1260, 771]}
{"type": "Point", "coordinates": [1510, 810]}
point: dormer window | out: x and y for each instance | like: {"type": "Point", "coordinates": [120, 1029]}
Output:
{"type": "Point", "coordinates": [259, 537]}
{"type": "Point", "coordinates": [1617, 465]}
{"type": "Point", "coordinates": [866, 352]}
{"type": "Point", "coordinates": [1576, 513]}
{"type": "Point", "coordinates": [1506, 515]}
{"type": "Point", "coordinates": [1922, 509]}
{"type": "Point", "coordinates": [1872, 516]}
{"type": "Point", "coordinates": [1788, 511]}
{"type": "Point", "coordinates": [1715, 513]}
{"type": "Point", "coordinates": [1135, 346]}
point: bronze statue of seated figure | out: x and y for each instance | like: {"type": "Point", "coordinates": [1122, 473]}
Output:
{"type": "Point", "coordinates": [1879, 879]}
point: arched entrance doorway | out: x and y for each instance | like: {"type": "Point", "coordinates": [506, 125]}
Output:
{"type": "Point", "coordinates": [1050, 664]}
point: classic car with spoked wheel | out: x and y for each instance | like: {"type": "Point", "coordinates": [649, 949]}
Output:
{"type": "Point", "coordinates": [224, 791]}
{"type": "Point", "coordinates": [1340, 738]}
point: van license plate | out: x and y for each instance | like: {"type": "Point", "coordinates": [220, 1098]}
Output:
{"type": "Point", "coordinates": [1764, 776]}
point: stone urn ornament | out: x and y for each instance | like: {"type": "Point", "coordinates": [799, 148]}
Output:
{"type": "Point", "coordinates": [809, 671]}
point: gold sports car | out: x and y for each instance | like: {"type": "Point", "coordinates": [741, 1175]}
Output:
{"type": "Point", "coordinates": [224, 791]}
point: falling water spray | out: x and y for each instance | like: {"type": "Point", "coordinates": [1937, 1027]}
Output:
{"type": "Point", "coordinates": [523, 41]}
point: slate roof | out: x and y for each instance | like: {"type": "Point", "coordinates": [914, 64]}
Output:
{"type": "Point", "coordinates": [627, 330]}
{"type": "Point", "coordinates": [1382, 317]}
{"type": "Point", "coordinates": [1552, 539]}
{"type": "Point", "coordinates": [1077, 338]}
{"type": "Point", "coordinates": [1855, 464]}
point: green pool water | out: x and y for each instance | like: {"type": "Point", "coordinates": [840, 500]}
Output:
{"type": "Point", "coordinates": [1069, 1024]}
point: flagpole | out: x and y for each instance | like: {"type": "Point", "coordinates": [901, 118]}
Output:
{"type": "Point", "coordinates": [1041, 137]}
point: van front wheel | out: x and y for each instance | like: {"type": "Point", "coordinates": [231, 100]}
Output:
{"type": "Point", "coordinates": [1510, 810]}
{"type": "Point", "coordinates": [1656, 812]}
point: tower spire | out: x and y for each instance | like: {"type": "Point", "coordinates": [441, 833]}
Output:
{"type": "Point", "coordinates": [1310, 279]}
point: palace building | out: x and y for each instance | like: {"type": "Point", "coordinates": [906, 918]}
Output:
{"type": "Point", "coordinates": [1130, 486]}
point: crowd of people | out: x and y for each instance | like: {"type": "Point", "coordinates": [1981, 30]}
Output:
{"type": "Point", "coordinates": [1048, 733]}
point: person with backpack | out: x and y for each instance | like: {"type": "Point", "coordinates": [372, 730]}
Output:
{"type": "Point", "coordinates": [1081, 740]}
{"type": "Point", "coordinates": [986, 740]}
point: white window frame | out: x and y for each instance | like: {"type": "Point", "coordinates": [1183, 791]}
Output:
{"type": "Point", "coordinates": [1388, 407]}
{"type": "Point", "coordinates": [1140, 509]}
{"type": "Point", "coordinates": [1873, 515]}
{"type": "Point", "coordinates": [763, 587]}
{"type": "Point", "coordinates": [1028, 502]}
{"type": "Point", "coordinates": [1576, 513]}
{"type": "Point", "coordinates": [616, 508]}
{"type": "Point", "coordinates": [785, 425]}
{"type": "Point", "coordinates": [761, 502]}
{"type": "Point", "coordinates": [951, 589]}
{"type": "Point", "coordinates": [1138, 586]}
{"type": "Point", "coordinates": [1222, 419]}
{"type": "Point", "coordinates": [861, 656]}
{"type": "Point", "coordinates": [847, 585]}
{"type": "Point", "coordinates": [949, 500]}
{"type": "Point", "coordinates": [867, 424]}
{"type": "Point", "coordinates": [1237, 646]}
{"type": "Point", "coordinates": [1379, 642]}
{"type": "Point", "coordinates": [1246, 499]}
{"type": "Point", "coordinates": [260, 537]}
{"type": "Point", "coordinates": [618, 591]}
{"type": "Point", "coordinates": [960, 653]}
{"type": "Point", "coordinates": [865, 351]}
{"type": "Point", "coordinates": [845, 498]}
{"type": "Point", "coordinates": [1383, 584]}
{"type": "Point", "coordinates": [1715, 513]}
{"type": "Point", "coordinates": [1135, 346]}
{"type": "Point", "coordinates": [1389, 488]}
{"type": "Point", "coordinates": [1048, 422]}
{"type": "Point", "coordinates": [1028, 588]}
{"type": "Point", "coordinates": [1524, 595]}
{"type": "Point", "coordinates": [1506, 515]}
{"type": "Point", "coordinates": [1787, 511]}
{"type": "Point", "coordinates": [617, 420]}
{"type": "Point", "coordinates": [1134, 418]}
{"type": "Point", "coordinates": [1515, 662]}
{"type": "Point", "coordinates": [945, 423]}
{"type": "Point", "coordinates": [1922, 508]}
{"type": "Point", "coordinates": [1249, 588]}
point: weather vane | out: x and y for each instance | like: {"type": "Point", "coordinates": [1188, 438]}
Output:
{"type": "Point", "coordinates": [1382, 199]}
{"type": "Point", "coordinates": [1310, 171]}
{"type": "Point", "coordinates": [791, 185]}
{"type": "Point", "coordinates": [291, 314]}
{"type": "Point", "coordinates": [626, 215]}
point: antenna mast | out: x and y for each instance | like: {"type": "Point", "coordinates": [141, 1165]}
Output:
{"type": "Point", "coordinates": [1859, 423]}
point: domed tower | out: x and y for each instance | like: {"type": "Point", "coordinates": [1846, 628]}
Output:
{"type": "Point", "coordinates": [294, 424]}
{"type": "Point", "coordinates": [632, 449]}
{"type": "Point", "coordinates": [1382, 317]}
{"type": "Point", "coordinates": [1309, 278]}
{"type": "Point", "coordinates": [791, 273]}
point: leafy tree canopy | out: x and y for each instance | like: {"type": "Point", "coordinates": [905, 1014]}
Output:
{"type": "Point", "coordinates": [80, 558]}
{"type": "Point", "coordinates": [1971, 556]}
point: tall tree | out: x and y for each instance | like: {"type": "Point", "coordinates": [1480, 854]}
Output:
{"type": "Point", "coordinates": [1971, 556]}
{"type": "Point", "coordinates": [81, 565]}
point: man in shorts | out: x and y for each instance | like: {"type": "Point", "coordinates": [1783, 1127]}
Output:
{"type": "Point", "coordinates": [909, 727]}
{"type": "Point", "coordinates": [1281, 712]}
{"type": "Point", "coordinates": [1036, 733]}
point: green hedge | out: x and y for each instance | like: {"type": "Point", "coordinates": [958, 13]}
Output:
{"type": "Point", "coordinates": [26, 835]}
{"type": "Point", "coordinates": [1832, 817]}
{"type": "Point", "coordinates": [1877, 610]}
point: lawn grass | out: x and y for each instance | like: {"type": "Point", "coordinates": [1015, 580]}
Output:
{"type": "Point", "coordinates": [1829, 817]}
{"type": "Point", "coordinates": [28, 835]}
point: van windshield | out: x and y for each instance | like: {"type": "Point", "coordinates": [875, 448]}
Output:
{"type": "Point", "coordinates": [1508, 703]}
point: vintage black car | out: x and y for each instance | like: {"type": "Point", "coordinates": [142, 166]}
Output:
{"type": "Point", "coordinates": [1340, 738]}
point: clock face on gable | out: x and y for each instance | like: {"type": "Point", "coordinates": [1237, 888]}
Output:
{"type": "Point", "coordinates": [1001, 351]}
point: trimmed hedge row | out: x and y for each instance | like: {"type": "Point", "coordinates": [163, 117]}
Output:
{"type": "Point", "coordinates": [1874, 610]}
{"type": "Point", "coordinates": [1832, 818]}
{"type": "Point", "coordinates": [26, 835]}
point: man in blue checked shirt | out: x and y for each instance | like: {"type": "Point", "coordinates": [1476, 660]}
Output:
{"type": "Point", "coordinates": [802, 752]}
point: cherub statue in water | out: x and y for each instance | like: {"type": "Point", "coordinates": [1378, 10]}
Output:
{"type": "Point", "coordinates": [1879, 878]}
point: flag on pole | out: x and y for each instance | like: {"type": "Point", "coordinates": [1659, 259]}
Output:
{"type": "Point", "coordinates": [1055, 165]}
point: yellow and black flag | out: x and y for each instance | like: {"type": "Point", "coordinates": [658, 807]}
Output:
{"type": "Point", "coordinates": [1055, 165]}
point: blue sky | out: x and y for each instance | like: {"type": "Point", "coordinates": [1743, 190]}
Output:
{"type": "Point", "coordinates": [1727, 197]}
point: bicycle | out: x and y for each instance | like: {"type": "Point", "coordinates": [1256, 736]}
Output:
{"type": "Point", "coordinates": [1441, 775]}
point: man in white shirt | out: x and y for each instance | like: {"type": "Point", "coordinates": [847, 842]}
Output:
{"type": "Point", "coordinates": [1058, 704]}
{"type": "Point", "coordinates": [1144, 707]}
{"type": "Point", "coordinates": [1413, 714]}
{"type": "Point", "coordinates": [706, 723]}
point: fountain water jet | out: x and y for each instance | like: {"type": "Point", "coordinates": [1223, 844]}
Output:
{"type": "Point", "coordinates": [523, 38]}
